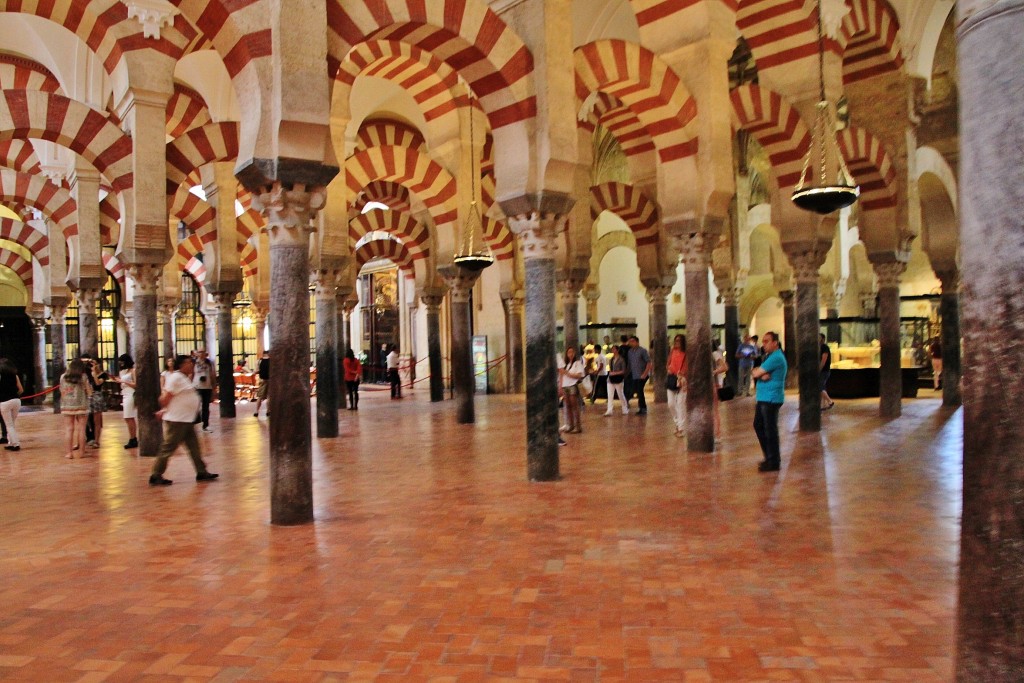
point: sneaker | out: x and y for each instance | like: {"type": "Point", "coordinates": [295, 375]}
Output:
{"type": "Point", "coordinates": [641, 412]}
{"type": "Point", "coordinates": [206, 476]}
{"type": "Point", "coordinates": [207, 430]}
{"type": "Point", "coordinates": [93, 444]}
{"type": "Point", "coordinates": [132, 443]}
{"type": "Point", "coordinates": [157, 480]}
{"type": "Point", "coordinates": [12, 448]}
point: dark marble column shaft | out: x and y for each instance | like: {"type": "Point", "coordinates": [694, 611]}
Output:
{"type": "Point", "coordinates": [432, 304]}
{"type": "Point", "coordinates": [657, 297]}
{"type": "Point", "coordinates": [460, 284]}
{"type": "Point", "coordinates": [167, 314]}
{"type": "Point", "coordinates": [949, 309]}
{"type": "Point", "coordinates": [700, 427]}
{"type": "Point", "coordinates": [327, 390]}
{"type": "Point", "coordinates": [732, 339]}
{"type": "Point", "coordinates": [541, 371]}
{"type": "Point", "coordinates": [808, 343]}
{"type": "Point", "coordinates": [225, 346]}
{"type": "Point", "coordinates": [146, 353]}
{"type": "Point", "coordinates": [88, 326]}
{"type": "Point", "coordinates": [832, 328]}
{"type": "Point", "coordinates": [342, 335]}
{"type": "Point", "coordinates": [514, 324]}
{"type": "Point", "coordinates": [58, 342]}
{"type": "Point", "coordinates": [890, 375]}
{"type": "Point", "coordinates": [990, 612]}
{"type": "Point", "coordinates": [39, 356]}
{"type": "Point", "coordinates": [569, 295]}
{"type": "Point", "coordinates": [788, 298]}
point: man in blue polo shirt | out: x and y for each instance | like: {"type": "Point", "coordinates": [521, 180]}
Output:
{"type": "Point", "coordinates": [770, 380]}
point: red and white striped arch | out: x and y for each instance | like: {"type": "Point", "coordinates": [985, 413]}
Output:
{"type": "Point", "coordinates": [621, 122]}
{"type": "Point", "coordinates": [397, 223]}
{"type": "Point", "coordinates": [780, 32]}
{"type": "Point", "coordinates": [651, 12]}
{"type": "Point", "coordinates": [644, 83]}
{"type": "Point", "coordinates": [190, 246]}
{"type": "Point", "coordinates": [185, 206]}
{"type": "Point", "coordinates": [21, 267]}
{"type": "Point", "coordinates": [30, 114]}
{"type": "Point", "coordinates": [465, 34]}
{"type": "Point", "coordinates": [409, 168]}
{"type": "Point", "coordinates": [110, 217]}
{"type": "Point", "coordinates": [631, 205]}
{"type": "Point", "coordinates": [19, 155]}
{"type": "Point", "coordinates": [499, 238]}
{"type": "Point", "coordinates": [870, 38]}
{"type": "Point", "coordinates": [27, 236]}
{"type": "Point", "coordinates": [248, 259]}
{"type": "Point", "coordinates": [869, 162]}
{"type": "Point", "coordinates": [117, 270]}
{"type": "Point", "coordinates": [18, 73]}
{"type": "Point", "coordinates": [195, 268]}
{"type": "Point", "coordinates": [379, 133]}
{"type": "Point", "coordinates": [392, 195]}
{"type": "Point", "coordinates": [776, 126]}
{"type": "Point", "coordinates": [426, 78]}
{"type": "Point", "coordinates": [390, 249]}
{"type": "Point", "coordinates": [186, 110]}
{"type": "Point", "coordinates": [225, 25]}
{"type": "Point", "coordinates": [203, 145]}
{"type": "Point", "coordinates": [54, 202]}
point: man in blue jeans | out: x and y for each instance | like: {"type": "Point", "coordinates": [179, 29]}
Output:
{"type": "Point", "coordinates": [770, 379]}
{"type": "Point", "coordinates": [639, 366]}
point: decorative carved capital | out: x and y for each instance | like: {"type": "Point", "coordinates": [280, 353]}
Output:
{"type": "Point", "coordinates": [888, 274]}
{"type": "Point", "coordinates": [168, 311]}
{"type": "Point", "coordinates": [950, 280]}
{"type": "Point", "coordinates": [290, 211]}
{"type": "Point", "coordinates": [806, 259]}
{"type": "Point", "coordinates": [38, 323]}
{"type": "Point", "coordinates": [57, 313]}
{"type": "Point", "coordinates": [145, 278]}
{"type": "Point", "coordinates": [658, 295]}
{"type": "Point", "coordinates": [869, 304]}
{"type": "Point", "coordinates": [326, 283]}
{"type": "Point", "coordinates": [569, 290]}
{"type": "Point", "coordinates": [536, 233]}
{"type": "Point", "coordinates": [432, 302]}
{"type": "Point", "coordinates": [152, 14]}
{"type": "Point", "coordinates": [730, 296]}
{"type": "Point", "coordinates": [460, 282]}
{"type": "Point", "coordinates": [695, 250]}
{"type": "Point", "coordinates": [592, 293]}
{"type": "Point", "coordinates": [787, 296]}
{"type": "Point", "coordinates": [87, 299]}
{"type": "Point", "coordinates": [224, 300]}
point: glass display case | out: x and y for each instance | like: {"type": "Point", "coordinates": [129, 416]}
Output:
{"type": "Point", "coordinates": [856, 355]}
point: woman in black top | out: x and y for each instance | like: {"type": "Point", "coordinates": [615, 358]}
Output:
{"type": "Point", "coordinates": [10, 404]}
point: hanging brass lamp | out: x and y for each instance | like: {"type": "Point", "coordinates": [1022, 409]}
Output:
{"type": "Point", "coordinates": [825, 197]}
{"type": "Point", "coordinates": [473, 255]}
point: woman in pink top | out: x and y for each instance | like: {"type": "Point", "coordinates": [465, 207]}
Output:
{"type": "Point", "coordinates": [677, 368]}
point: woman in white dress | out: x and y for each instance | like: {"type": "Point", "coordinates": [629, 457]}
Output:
{"type": "Point", "coordinates": [126, 378]}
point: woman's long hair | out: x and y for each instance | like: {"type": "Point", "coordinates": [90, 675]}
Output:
{"type": "Point", "coordinates": [76, 368]}
{"type": "Point", "coordinates": [7, 367]}
{"type": "Point", "coordinates": [350, 354]}
{"type": "Point", "coordinates": [679, 338]}
{"type": "Point", "coordinates": [125, 361]}
{"type": "Point", "coordinates": [566, 358]}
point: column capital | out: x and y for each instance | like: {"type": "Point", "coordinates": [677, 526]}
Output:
{"type": "Point", "coordinates": [787, 296]}
{"type": "Point", "coordinates": [806, 259]}
{"type": "Point", "coordinates": [87, 297]}
{"type": "Point", "coordinates": [224, 299]}
{"type": "Point", "coordinates": [889, 273]}
{"type": "Point", "coordinates": [536, 220]}
{"type": "Point", "coordinates": [38, 322]}
{"type": "Point", "coordinates": [730, 296]}
{"type": "Point", "coordinates": [58, 309]}
{"type": "Point", "coordinates": [432, 302]}
{"type": "Point", "coordinates": [869, 304]}
{"type": "Point", "coordinates": [695, 249]}
{"type": "Point", "coordinates": [289, 211]}
{"type": "Point", "coordinates": [950, 280]}
{"type": "Point", "coordinates": [326, 280]}
{"type": "Point", "coordinates": [569, 289]}
{"type": "Point", "coordinates": [460, 282]}
{"type": "Point", "coordinates": [146, 278]}
{"type": "Point", "coordinates": [591, 292]}
{"type": "Point", "coordinates": [168, 310]}
{"type": "Point", "coordinates": [658, 295]}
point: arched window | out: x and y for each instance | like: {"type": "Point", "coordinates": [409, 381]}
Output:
{"type": "Point", "coordinates": [107, 314]}
{"type": "Point", "coordinates": [71, 329]}
{"type": "Point", "coordinates": [243, 344]}
{"type": "Point", "coordinates": [189, 323]}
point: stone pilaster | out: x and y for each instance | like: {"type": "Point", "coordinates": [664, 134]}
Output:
{"type": "Point", "coordinates": [58, 342]}
{"type": "Point", "coordinates": [289, 212]}
{"type": "Point", "coordinates": [700, 428]}
{"type": "Point", "coordinates": [536, 221]}
{"type": "Point", "coordinates": [730, 299]}
{"type": "Point", "coordinates": [788, 298]}
{"type": "Point", "coordinates": [39, 355]}
{"type": "Point", "coordinates": [806, 260]}
{"type": "Point", "coordinates": [168, 311]}
{"type": "Point", "coordinates": [326, 355]}
{"type": "Point", "coordinates": [460, 283]}
{"type": "Point", "coordinates": [432, 306]}
{"type": "Point", "coordinates": [949, 311]}
{"type": "Point", "coordinates": [569, 297]}
{"type": "Point", "coordinates": [890, 376]}
{"type": "Point", "coordinates": [88, 325]}
{"type": "Point", "coordinates": [657, 297]}
{"type": "Point", "coordinates": [146, 353]}
{"type": "Point", "coordinates": [225, 343]}
{"type": "Point", "coordinates": [514, 341]}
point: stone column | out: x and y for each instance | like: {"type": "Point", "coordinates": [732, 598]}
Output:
{"type": "Point", "coordinates": [536, 229]}
{"type": "Point", "coordinates": [225, 344]}
{"type": "Point", "coordinates": [168, 311]}
{"type": "Point", "coordinates": [39, 355]}
{"type": "Point", "coordinates": [731, 298]}
{"type": "Point", "coordinates": [806, 260]}
{"type": "Point", "coordinates": [460, 283]}
{"type": "Point", "coordinates": [289, 213]}
{"type": "Point", "coordinates": [88, 326]}
{"type": "Point", "coordinates": [890, 375]}
{"type": "Point", "coordinates": [432, 306]}
{"type": "Point", "coordinates": [788, 298]}
{"type": "Point", "coordinates": [990, 637]}
{"type": "Point", "coordinates": [949, 310]}
{"type": "Point", "coordinates": [592, 294]}
{"type": "Point", "coordinates": [326, 355]}
{"type": "Point", "coordinates": [569, 296]}
{"type": "Point", "coordinates": [514, 341]}
{"type": "Point", "coordinates": [260, 319]}
{"type": "Point", "coordinates": [657, 297]}
{"type": "Point", "coordinates": [700, 428]}
{"type": "Point", "coordinates": [342, 334]}
{"type": "Point", "coordinates": [58, 341]}
{"type": "Point", "coordinates": [868, 307]}
{"type": "Point", "coordinates": [146, 353]}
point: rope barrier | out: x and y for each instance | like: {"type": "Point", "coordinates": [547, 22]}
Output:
{"type": "Point", "coordinates": [41, 393]}
{"type": "Point", "coordinates": [490, 364]}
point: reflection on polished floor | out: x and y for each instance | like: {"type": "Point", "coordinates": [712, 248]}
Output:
{"type": "Point", "coordinates": [433, 559]}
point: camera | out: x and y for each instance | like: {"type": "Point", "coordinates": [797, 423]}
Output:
{"type": "Point", "coordinates": [202, 378]}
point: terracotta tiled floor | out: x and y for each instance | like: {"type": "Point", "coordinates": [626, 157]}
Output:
{"type": "Point", "coordinates": [433, 559]}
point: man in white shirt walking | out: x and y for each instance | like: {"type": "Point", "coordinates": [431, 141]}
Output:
{"type": "Point", "coordinates": [178, 405]}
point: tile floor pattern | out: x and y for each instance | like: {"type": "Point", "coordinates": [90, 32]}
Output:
{"type": "Point", "coordinates": [432, 559]}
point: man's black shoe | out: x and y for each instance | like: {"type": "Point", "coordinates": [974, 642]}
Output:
{"type": "Point", "coordinates": [768, 467]}
{"type": "Point", "coordinates": [641, 412]}
{"type": "Point", "coordinates": [3, 440]}
{"type": "Point", "coordinates": [157, 480]}
{"type": "Point", "coordinates": [206, 476]}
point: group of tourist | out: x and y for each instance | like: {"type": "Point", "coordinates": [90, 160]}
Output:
{"type": "Point", "coordinates": [621, 370]}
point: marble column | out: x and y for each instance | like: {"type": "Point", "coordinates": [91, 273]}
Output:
{"type": "Point", "coordinates": [260, 320]}
{"type": "Point", "coordinates": [225, 351]}
{"type": "Point", "coordinates": [88, 326]}
{"type": "Point", "coordinates": [326, 355]}
{"type": "Point", "coordinates": [657, 297]}
{"type": "Point", "coordinates": [39, 356]}
{"type": "Point", "coordinates": [700, 429]}
{"type": "Point", "coordinates": [949, 311]}
{"type": "Point", "coordinates": [514, 328]}
{"type": "Point", "coordinates": [592, 295]}
{"type": "Point", "coordinates": [342, 335]}
{"type": "Point", "coordinates": [788, 298]}
{"type": "Point", "coordinates": [832, 332]}
{"type": "Point", "coordinates": [569, 296]}
{"type": "Point", "coordinates": [289, 213]}
{"type": "Point", "coordinates": [730, 300]}
{"type": "Point", "coordinates": [167, 315]}
{"type": "Point", "coordinates": [990, 611]}
{"type": "Point", "coordinates": [460, 283]}
{"type": "Point", "coordinates": [890, 375]}
{"type": "Point", "coordinates": [808, 360]}
{"type": "Point", "coordinates": [432, 306]}
{"type": "Point", "coordinates": [146, 353]}
{"type": "Point", "coordinates": [536, 231]}
{"type": "Point", "coordinates": [58, 342]}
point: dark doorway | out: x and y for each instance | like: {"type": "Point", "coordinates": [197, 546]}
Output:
{"type": "Point", "coordinates": [16, 344]}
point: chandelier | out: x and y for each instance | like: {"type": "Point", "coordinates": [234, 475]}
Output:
{"type": "Point", "coordinates": [471, 256]}
{"type": "Point", "coordinates": [825, 197]}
